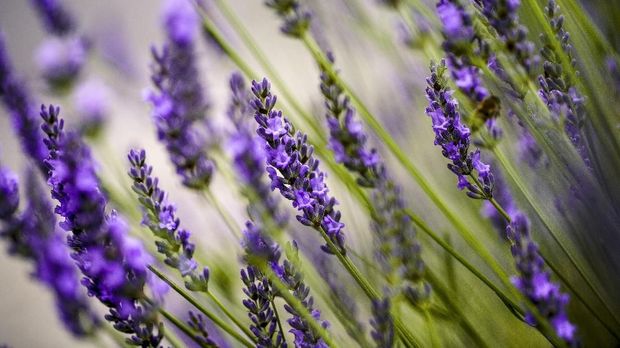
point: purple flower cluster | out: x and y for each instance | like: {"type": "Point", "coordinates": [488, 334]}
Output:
{"type": "Point", "coordinates": [459, 43]}
{"type": "Point", "coordinates": [260, 248]}
{"type": "Point", "coordinates": [92, 101]}
{"type": "Point", "coordinates": [248, 156]}
{"type": "Point", "coordinates": [454, 137]}
{"type": "Point", "coordinates": [17, 100]}
{"type": "Point", "coordinates": [55, 17]}
{"type": "Point", "coordinates": [503, 17]}
{"type": "Point", "coordinates": [296, 20]}
{"type": "Point", "coordinates": [113, 264]}
{"type": "Point", "coordinates": [33, 235]}
{"type": "Point", "coordinates": [178, 100]}
{"type": "Point", "coordinates": [160, 217]}
{"type": "Point", "coordinates": [259, 290]}
{"type": "Point", "coordinates": [294, 170]}
{"type": "Point", "coordinates": [382, 323]}
{"type": "Point", "coordinates": [199, 325]}
{"type": "Point", "coordinates": [556, 88]}
{"type": "Point", "coordinates": [535, 282]}
{"type": "Point", "coordinates": [347, 137]}
{"type": "Point", "coordinates": [61, 59]}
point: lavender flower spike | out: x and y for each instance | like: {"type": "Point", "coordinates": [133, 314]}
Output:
{"type": "Point", "coordinates": [33, 235]}
{"type": "Point", "coordinates": [503, 17]}
{"type": "Point", "coordinates": [160, 217]}
{"type": "Point", "coordinates": [178, 99]}
{"type": "Point", "coordinates": [17, 100]}
{"type": "Point", "coordinates": [382, 324]}
{"type": "Point", "coordinates": [294, 170]}
{"type": "Point", "coordinates": [248, 156]}
{"type": "Point", "coordinates": [453, 136]}
{"type": "Point", "coordinates": [259, 290]}
{"type": "Point", "coordinates": [113, 264]}
{"type": "Point", "coordinates": [535, 283]}
{"type": "Point", "coordinates": [55, 17]}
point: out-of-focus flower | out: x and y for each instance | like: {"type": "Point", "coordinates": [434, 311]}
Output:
{"type": "Point", "coordinates": [296, 19]}
{"type": "Point", "coordinates": [92, 102]}
{"type": "Point", "coordinates": [61, 60]}
{"type": "Point", "coordinates": [55, 16]}
{"type": "Point", "coordinates": [382, 323]}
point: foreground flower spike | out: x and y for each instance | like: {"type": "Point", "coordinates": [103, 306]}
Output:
{"type": "Point", "coordinates": [248, 156]}
{"type": "Point", "coordinates": [160, 217]}
{"type": "Point", "coordinates": [296, 19]}
{"type": "Point", "coordinates": [453, 136]}
{"type": "Point", "coordinates": [382, 324]}
{"type": "Point", "coordinates": [534, 281]}
{"type": "Point", "coordinates": [17, 101]}
{"type": "Point", "coordinates": [114, 265]}
{"type": "Point", "coordinates": [294, 170]}
{"type": "Point", "coordinates": [260, 249]}
{"type": "Point", "coordinates": [258, 289]}
{"type": "Point", "coordinates": [557, 89]}
{"type": "Point", "coordinates": [503, 17]}
{"type": "Point", "coordinates": [178, 99]}
{"type": "Point", "coordinates": [55, 16]}
{"type": "Point", "coordinates": [32, 235]}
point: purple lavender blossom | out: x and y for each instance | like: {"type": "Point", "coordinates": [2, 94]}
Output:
{"type": "Point", "coordinates": [294, 170]}
{"type": "Point", "coordinates": [453, 136]}
{"type": "Point", "coordinates": [17, 100]}
{"type": "Point", "coordinates": [113, 264]}
{"type": "Point", "coordinates": [92, 101]}
{"type": "Point", "coordinates": [296, 19]}
{"type": "Point", "coordinates": [535, 282]}
{"type": "Point", "coordinates": [32, 235]}
{"type": "Point", "coordinates": [503, 17]}
{"type": "Point", "coordinates": [260, 248]}
{"type": "Point", "coordinates": [382, 323]}
{"type": "Point", "coordinates": [178, 100]}
{"type": "Point", "coordinates": [55, 16]}
{"type": "Point", "coordinates": [160, 217]}
{"type": "Point", "coordinates": [247, 151]}
{"type": "Point", "coordinates": [557, 89]}
{"type": "Point", "coordinates": [259, 290]}
{"type": "Point", "coordinates": [198, 323]}
{"type": "Point", "coordinates": [60, 60]}
{"type": "Point", "coordinates": [347, 138]}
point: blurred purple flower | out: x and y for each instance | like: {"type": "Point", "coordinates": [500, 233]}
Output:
{"type": "Point", "coordinates": [55, 17]}
{"type": "Point", "coordinates": [60, 60]}
{"type": "Point", "coordinates": [92, 101]}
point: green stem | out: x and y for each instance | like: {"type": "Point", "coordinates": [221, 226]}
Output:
{"type": "Point", "coordinates": [276, 312]}
{"type": "Point", "coordinates": [230, 222]}
{"type": "Point", "coordinates": [367, 288]}
{"type": "Point", "coordinates": [435, 342]}
{"type": "Point", "coordinates": [215, 318]}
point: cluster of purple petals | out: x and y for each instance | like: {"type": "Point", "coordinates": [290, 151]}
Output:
{"type": "Point", "coordinates": [91, 100]}
{"type": "Point", "coordinates": [454, 137]}
{"type": "Point", "coordinates": [247, 151]}
{"type": "Point", "coordinates": [160, 217]}
{"type": "Point", "coordinates": [17, 101]}
{"type": "Point", "coordinates": [296, 19]}
{"type": "Point", "coordinates": [32, 235]}
{"type": "Point", "coordinates": [201, 334]}
{"type": "Point", "coordinates": [178, 99]}
{"type": "Point", "coordinates": [259, 290]}
{"type": "Point", "coordinates": [503, 17]}
{"type": "Point", "coordinates": [114, 265]}
{"type": "Point", "coordinates": [347, 138]}
{"type": "Point", "coordinates": [382, 323]}
{"type": "Point", "coordinates": [55, 16]}
{"type": "Point", "coordinates": [261, 248]}
{"type": "Point", "coordinates": [60, 60]}
{"type": "Point", "coordinates": [294, 170]}
{"type": "Point", "coordinates": [534, 281]}
{"type": "Point", "coordinates": [556, 88]}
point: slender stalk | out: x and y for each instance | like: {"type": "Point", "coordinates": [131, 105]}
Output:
{"type": "Point", "coordinates": [276, 312]}
{"type": "Point", "coordinates": [224, 213]}
{"type": "Point", "coordinates": [230, 316]}
{"type": "Point", "coordinates": [372, 294]}
{"type": "Point", "coordinates": [201, 308]}
{"type": "Point", "coordinates": [181, 326]}
{"type": "Point", "coordinates": [435, 342]}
